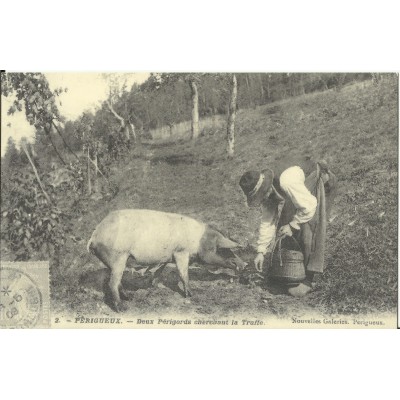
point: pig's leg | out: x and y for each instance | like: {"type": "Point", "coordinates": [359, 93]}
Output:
{"type": "Point", "coordinates": [182, 262]}
{"type": "Point", "coordinates": [123, 294]}
{"type": "Point", "coordinates": [157, 274]}
{"type": "Point", "coordinates": [117, 269]}
{"type": "Point", "coordinates": [111, 258]}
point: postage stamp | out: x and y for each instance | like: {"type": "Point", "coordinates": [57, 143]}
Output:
{"type": "Point", "coordinates": [199, 200]}
{"type": "Point", "coordinates": [24, 295]}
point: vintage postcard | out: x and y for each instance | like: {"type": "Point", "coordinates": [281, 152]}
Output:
{"type": "Point", "coordinates": [199, 200]}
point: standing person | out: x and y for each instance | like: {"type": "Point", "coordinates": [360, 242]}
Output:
{"type": "Point", "coordinates": [295, 196]}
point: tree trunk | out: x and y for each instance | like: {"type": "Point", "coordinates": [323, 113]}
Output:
{"type": "Point", "coordinates": [291, 85]}
{"type": "Point", "coordinates": [33, 151]}
{"type": "Point", "coordinates": [36, 173]}
{"type": "Point", "coordinates": [88, 172]}
{"type": "Point", "coordinates": [122, 121]}
{"type": "Point", "coordinates": [95, 182]}
{"type": "Point", "coordinates": [231, 118]}
{"type": "Point", "coordinates": [65, 143]}
{"type": "Point", "coordinates": [148, 117]}
{"type": "Point", "coordinates": [136, 137]}
{"type": "Point", "coordinates": [301, 83]}
{"type": "Point", "coordinates": [97, 168]}
{"type": "Point", "coordinates": [195, 110]}
{"type": "Point", "coordinates": [261, 89]}
{"type": "Point", "coordinates": [250, 100]}
{"type": "Point", "coordinates": [48, 133]}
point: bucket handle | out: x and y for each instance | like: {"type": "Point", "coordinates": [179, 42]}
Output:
{"type": "Point", "coordinates": [279, 243]}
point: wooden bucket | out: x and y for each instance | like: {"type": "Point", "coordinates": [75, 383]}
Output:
{"type": "Point", "coordinates": [287, 266]}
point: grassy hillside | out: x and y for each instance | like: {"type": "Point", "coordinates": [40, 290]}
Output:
{"type": "Point", "coordinates": [355, 130]}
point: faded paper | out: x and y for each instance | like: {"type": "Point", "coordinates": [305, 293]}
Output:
{"type": "Point", "coordinates": [24, 295]}
{"type": "Point", "coordinates": [135, 151]}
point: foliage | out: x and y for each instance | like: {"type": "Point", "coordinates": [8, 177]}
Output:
{"type": "Point", "coordinates": [164, 98]}
{"type": "Point", "coordinates": [12, 157]}
{"type": "Point", "coordinates": [83, 129]}
{"type": "Point", "coordinates": [33, 92]}
{"type": "Point", "coordinates": [75, 182]}
{"type": "Point", "coordinates": [29, 221]}
{"type": "Point", "coordinates": [74, 140]}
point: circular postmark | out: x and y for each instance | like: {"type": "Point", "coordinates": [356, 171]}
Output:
{"type": "Point", "coordinates": [20, 299]}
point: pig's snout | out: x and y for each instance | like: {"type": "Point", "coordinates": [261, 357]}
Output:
{"type": "Point", "coordinates": [237, 263]}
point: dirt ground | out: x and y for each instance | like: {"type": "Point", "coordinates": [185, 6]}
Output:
{"type": "Point", "coordinates": [213, 296]}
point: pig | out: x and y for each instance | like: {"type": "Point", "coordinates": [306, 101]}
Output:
{"type": "Point", "coordinates": [156, 237]}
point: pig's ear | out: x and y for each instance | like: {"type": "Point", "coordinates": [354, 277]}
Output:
{"type": "Point", "coordinates": [224, 243]}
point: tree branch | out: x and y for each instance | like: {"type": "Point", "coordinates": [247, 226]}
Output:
{"type": "Point", "coordinates": [35, 171]}
{"type": "Point", "coordinates": [133, 131]}
{"type": "Point", "coordinates": [97, 168]}
{"type": "Point", "coordinates": [121, 120]}
{"type": "Point", "coordinates": [48, 132]}
{"type": "Point", "coordinates": [65, 143]}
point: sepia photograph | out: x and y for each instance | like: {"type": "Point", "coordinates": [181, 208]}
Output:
{"type": "Point", "coordinates": [199, 200]}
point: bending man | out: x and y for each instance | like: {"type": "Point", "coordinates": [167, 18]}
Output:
{"type": "Point", "coordinates": [289, 203]}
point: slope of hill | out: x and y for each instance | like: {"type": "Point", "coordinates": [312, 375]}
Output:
{"type": "Point", "coordinates": [355, 130]}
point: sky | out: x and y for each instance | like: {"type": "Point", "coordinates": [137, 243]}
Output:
{"type": "Point", "coordinates": [86, 91]}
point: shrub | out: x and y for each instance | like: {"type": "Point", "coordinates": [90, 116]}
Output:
{"type": "Point", "coordinates": [29, 220]}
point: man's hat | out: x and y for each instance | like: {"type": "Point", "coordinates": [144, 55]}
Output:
{"type": "Point", "coordinates": [252, 181]}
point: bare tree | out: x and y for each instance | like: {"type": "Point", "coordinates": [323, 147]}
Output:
{"type": "Point", "coordinates": [231, 118]}
{"type": "Point", "coordinates": [24, 148]}
{"type": "Point", "coordinates": [84, 130]}
{"type": "Point", "coordinates": [117, 86]}
{"type": "Point", "coordinates": [269, 78]}
{"type": "Point", "coordinates": [127, 126]}
{"type": "Point", "coordinates": [261, 89]}
{"type": "Point", "coordinates": [195, 109]}
{"type": "Point", "coordinates": [88, 172]}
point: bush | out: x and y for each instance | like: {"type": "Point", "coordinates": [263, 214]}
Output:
{"type": "Point", "coordinates": [30, 223]}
